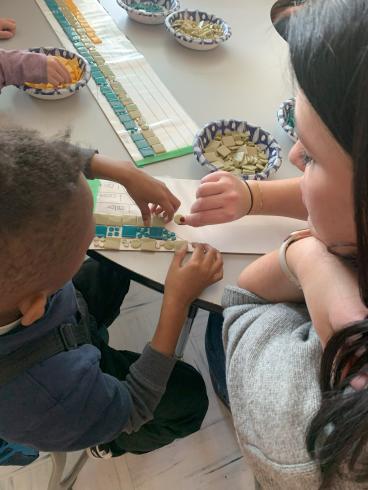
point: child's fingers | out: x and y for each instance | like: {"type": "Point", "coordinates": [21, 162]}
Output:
{"type": "Point", "coordinates": [171, 200]}
{"type": "Point", "coordinates": [168, 209]}
{"type": "Point", "coordinates": [61, 71]}
{"type": "Point", "coordinates": [146, 213]}
{"type": "Point", "coordinates": [212, 260]}
{"type": "Point", "coordinates": [156, 209]}
{"type": "Point", "coordinates": [7, 23]}
{"type": "Point", "coordinates": [199, 251]}
{"type": "Point", "coordinates": [56, 72]}
{"type": "Point", "coordinates": [218, 276]}
{"type": "Point", "coordinates": [218, 265]}
{"type": "Point", "coordinates": [210, 254]}
{"type": "Point", "coordinates": [6, 34]}
{"type": "Point", "coordinates": [179, 255]}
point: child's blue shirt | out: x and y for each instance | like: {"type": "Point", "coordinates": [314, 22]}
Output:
{"type": "Point", "coordinates": [66, 402]}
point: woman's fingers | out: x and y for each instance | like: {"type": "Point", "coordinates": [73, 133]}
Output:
{"type": "Point", "coordinates": [206, 204]}
{"type": "Point", "coordinates": [203, 218]}
{"type": "Point", "coordinates": [210, 189]}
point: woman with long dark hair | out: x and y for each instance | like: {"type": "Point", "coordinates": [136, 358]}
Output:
{"type": "Point", "coordinates": [296, 330]}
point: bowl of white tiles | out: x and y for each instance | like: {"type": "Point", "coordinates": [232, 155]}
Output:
{"type": "Point", "coordinates": [55, 93]}
{"type": "Point", "coordinates": [149, 11]}
{"type": "Point", "coordinates": [199, 17]}
{"type": "Point", "coordinates": [245, 142]}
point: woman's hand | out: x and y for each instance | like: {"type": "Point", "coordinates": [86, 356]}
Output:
{"type": "Point", "coordinates": [7, 28]}
{"type": "Point", "coordinates": [221, 197]}
{"type": "Point", "coordinates": [56, 72]}
{"type": "Point", "coordinates": [185, 281]}
{"type": "Point", "coordinates": [330, 287]}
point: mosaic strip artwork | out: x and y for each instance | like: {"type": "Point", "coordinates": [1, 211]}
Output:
{"type": "Point", "coordinates": [119, 226]}
{"type": "Point", "coordinates": [144, 114]}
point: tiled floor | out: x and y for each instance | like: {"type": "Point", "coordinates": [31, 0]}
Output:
{"type": "Point", "coordinates": [207, 459]}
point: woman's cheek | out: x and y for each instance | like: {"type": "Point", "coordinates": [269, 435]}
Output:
{"type": "Point", "coordinates": [312, 197]}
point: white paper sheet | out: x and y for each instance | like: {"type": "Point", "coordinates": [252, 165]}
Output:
{"type": "Point", "coordinates": [249, 235]}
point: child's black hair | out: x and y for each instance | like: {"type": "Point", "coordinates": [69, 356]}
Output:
{"type": "Point", "coordinates": [37, 180]}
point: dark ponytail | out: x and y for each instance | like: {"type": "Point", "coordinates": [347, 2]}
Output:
{"type": "Point", "coordinates": [329, 53]}
{"type": "Point", "coordinates": [338, 433]}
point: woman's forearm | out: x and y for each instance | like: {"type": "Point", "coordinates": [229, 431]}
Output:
{"type": "Point", "coordinates": [330, 287]}
{"type": "Point", "coordinates": [265, 278]}
{"type": "Point", "coordinates": [278, 198]}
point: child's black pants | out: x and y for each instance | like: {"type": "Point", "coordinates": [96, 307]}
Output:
{"type": "Point", "coordinates": [184, 404]}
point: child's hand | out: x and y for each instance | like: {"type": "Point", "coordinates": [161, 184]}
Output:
{"type": "Point", "coordinates": [146, 190]}
{"type": "Point", "coordinates": [221, 197]}
{"type": "Point", "coordinates": [7, 28]}
{"type": "Point", "coordinates": [56, 72]}
{"type": "Point", "coordinates": [186, 281]}
{"type": "Point", "coordinates": [143, 189]}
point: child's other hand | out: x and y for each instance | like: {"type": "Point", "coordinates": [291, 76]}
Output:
{"type": "Point", "coordinates": [185, 281]}
{"type": "Point", "coordinates": [56, 72]}
{"type": "Point", "coordinates": [221, 197]}
{"type": "Point", "coordinates": [7, 28]}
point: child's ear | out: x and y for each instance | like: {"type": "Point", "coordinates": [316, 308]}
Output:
{"type": "Point", "coordinates": [32, 308]}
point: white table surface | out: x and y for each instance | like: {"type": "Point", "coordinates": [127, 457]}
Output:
{"type": "Point", "coordinates": [246, 78]}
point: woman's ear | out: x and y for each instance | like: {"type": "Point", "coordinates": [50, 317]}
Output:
{"type": "Point", "coordinates": [32, 308]}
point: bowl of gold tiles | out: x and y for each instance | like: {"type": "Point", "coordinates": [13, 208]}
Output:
{"type": "Point", "coordinates": [149, 11]}
{"type": "Point", "coordinates": [78, 68]}
{"type": "Point", "coordinates": [239, 148]}
{"type": "Point", "coordinates": [197, 30]}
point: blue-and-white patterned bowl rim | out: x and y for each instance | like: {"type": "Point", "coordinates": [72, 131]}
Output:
{"type": "Point", "coordinates": [197, 15]}
{"type": "Point", "coordinates": [282, 117]}
{"type": "Point", "coordinates": [256, 134]}
{"type": "Point", "coordinates": [170, 5]}
{"type": "Point", "coordinates": [73, 87]}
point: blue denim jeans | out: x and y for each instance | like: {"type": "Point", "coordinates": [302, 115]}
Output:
{"type": "Point", "coordinates": [216, 356]}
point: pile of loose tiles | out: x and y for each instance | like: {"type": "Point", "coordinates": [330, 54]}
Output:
{"type": "Point", "coordinates": [199, 30]}
{"type": "Point", "coordinates": [234, 153]}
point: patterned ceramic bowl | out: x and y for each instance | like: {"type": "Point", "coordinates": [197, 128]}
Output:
{"type": "Point", "coordinates": [256, 135]}
{"type": "Point", "coordinates": [57, 92]}
{"type": "Point", "coordinates": [286, 118]}
{"type": "Point", "coordinates": [145, 16]}
{"type": "Point", "coordinates": [193, 42]}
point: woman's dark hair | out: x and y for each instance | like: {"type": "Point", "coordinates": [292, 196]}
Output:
{"type": "Point", "coordinates": [328, 42]}
{"type": "Point", "coordinates": [280, 14]}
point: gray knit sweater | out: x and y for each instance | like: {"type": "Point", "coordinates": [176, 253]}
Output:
{"type": "Point", "coordinates": [273, 357]}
